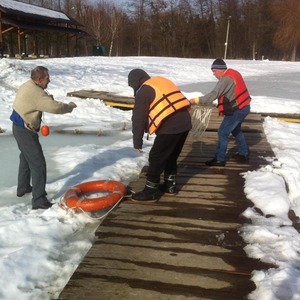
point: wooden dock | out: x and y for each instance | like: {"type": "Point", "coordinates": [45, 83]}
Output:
{"type": "Point", "coordinates": [127, 103]}
{"type": "Point", "coordinates": [108, 98]}
{"type": "Point", "coordinates": [182, 247]}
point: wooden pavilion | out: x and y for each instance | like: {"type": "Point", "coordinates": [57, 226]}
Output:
{"type": "Point", "coordinates": [23, 26]}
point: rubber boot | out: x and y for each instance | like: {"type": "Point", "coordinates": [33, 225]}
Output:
{"type": "Point", "coordinates": [148, 194]}
{"type": "Point", "coordinates": [169, 186]}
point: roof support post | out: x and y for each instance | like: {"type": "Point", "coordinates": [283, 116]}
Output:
{"type": "Point", "coordinates": [1, 36]}
{"type": "Point", "coordinates": [19, 40]}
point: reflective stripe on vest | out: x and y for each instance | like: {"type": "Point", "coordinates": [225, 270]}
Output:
{"type": "Point", "coordinates": [242, 96]}
{"type": "Point", "coordinates": [168, 99]}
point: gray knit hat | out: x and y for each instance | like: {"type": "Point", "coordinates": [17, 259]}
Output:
{"type": "Point", "coordinates": [219, 63]}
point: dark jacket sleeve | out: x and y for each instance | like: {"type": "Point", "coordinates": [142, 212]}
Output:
{"type": "Point", "coordinates": [143, 98]}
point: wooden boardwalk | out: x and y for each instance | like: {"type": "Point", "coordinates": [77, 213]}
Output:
{"type": "Point", "coordinates": [182, 247]}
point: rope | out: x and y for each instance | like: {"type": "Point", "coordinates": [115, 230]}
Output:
{"type": "Point", "coordinates": [102, 217]}
{"type": "Point", "coordinates": [200, 117]}
{"type": "Point", "coordinates": [108, 212]}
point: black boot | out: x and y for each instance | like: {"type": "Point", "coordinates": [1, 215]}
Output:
{"type": "Point", "coordinates": [169, 186]}
{"type": "Point", "coordinates": [215, 162]}
{"type": "Point", "coordinates": [41, 203]}
{"type": "Point", "coordinates": [148, 194]}
{"type": "Point", "coordinates": [26, 191]}
{"type": "Point", "coordinates": [242, 158]}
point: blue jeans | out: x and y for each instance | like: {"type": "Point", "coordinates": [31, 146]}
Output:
{"type": "Point", "coordinates": [232, 125]}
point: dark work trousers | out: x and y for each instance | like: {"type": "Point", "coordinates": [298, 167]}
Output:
{"type": "Point", "coordinates": [163, 155]}
{"type": "Point", "coordinates": [32, 163]}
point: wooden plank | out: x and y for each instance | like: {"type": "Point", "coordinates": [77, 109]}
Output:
{"type": "Point", "coordinates": [184, 246]}
{"type": "Point", "coordinates": [292, 120]}
{"type": "Point", "coordinates": [282, 115]}
{"type": "Point", "coordinates": [108, 98]}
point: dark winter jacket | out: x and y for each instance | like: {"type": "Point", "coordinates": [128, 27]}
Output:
{"type": "Point", "coordinates": [178, 122]}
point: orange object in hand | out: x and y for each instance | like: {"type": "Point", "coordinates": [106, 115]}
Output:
{"type": "Point", "coordinates": [45, 130]}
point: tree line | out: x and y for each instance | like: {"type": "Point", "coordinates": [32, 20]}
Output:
{"type": "Point", "coordinates": [238, 29]}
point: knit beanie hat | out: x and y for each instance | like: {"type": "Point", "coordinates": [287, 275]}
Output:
{"type": "Point", "coordinates": [219, 63]}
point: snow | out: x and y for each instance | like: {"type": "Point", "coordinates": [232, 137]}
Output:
{"type": "Point", "coordinates": [41, 249]}
{"type": "Point", "coordinates": [32, 9]}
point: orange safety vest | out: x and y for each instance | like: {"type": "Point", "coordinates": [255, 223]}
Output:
{"type": "Point", "coordinates": [168, 99]}
{"type": "Point", "coordinates": [242, 96]}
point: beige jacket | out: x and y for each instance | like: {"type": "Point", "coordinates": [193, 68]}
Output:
{"type": "Point", "coordinates": [31, 101]}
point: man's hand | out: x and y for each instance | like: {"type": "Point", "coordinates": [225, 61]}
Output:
{"type": "Point", "coordinates": [194, 101]}
{"type": "Point", "coordinates": [139, 150]}
{"type": "Point", "coordinates": [72, 104]}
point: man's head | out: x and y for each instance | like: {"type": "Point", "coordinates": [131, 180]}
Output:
{"type": "Point", "coordinates": [136, 78]}
{"type": "Point", "coordinates": [218, 67]}
{"type": "Point", "coordinates": [40, 75]}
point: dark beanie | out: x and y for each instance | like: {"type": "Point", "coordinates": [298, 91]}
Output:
{"type": "Point", "coordinates": [219, 63]}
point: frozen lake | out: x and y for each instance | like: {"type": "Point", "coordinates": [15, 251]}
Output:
{"type": "Point", "coordinates": [50, 144]}
{"type": "Point", "coordinates": [274, 85]}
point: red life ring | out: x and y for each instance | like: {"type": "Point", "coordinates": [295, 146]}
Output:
{"type": "Point", "coordinates": [75, 196]}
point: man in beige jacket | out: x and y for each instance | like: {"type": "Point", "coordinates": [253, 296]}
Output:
{"type": "Point", "coordinates": [30, 103]}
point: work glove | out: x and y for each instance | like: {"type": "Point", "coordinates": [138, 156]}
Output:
{"type": "Point", "coordinates": [195, 100]}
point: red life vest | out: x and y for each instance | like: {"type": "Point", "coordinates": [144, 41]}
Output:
{"type": "Point", "coordinates": [242, 96]}
{"type": "Point", "coordinates": [168, 99]}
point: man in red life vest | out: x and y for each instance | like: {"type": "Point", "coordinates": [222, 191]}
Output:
{"type": "Point", "coordinates": [234, 104]}
{"type": "Point", "coordinates": [162, 109]}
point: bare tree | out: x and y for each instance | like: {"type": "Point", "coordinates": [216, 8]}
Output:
{"type": "Point", "coordinates": [137, 13]}
{"type": "Point", "coordinates": [185, 28]}
{"type": "Point", "coordinates": [95, 24]}
{"type": "Point", "coordinates": [116, 17]}
{"type": "Point", "coordinates": [287, 37]}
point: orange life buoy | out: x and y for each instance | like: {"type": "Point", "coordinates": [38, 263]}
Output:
{"type": "Point", "coordinates": [75, 196]}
